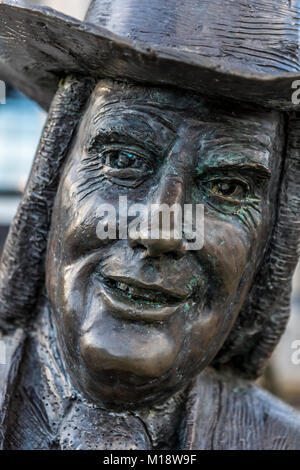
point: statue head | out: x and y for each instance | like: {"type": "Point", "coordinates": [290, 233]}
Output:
{"type": "Point", "coordinates": [138, 315]}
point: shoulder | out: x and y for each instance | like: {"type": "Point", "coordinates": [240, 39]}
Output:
{"type": "Point", "coordinates": [11, 348]}
{"type": "Point", "coordinates": [280, 422]}
{"type": "Point", "coordinates": [225, 412]}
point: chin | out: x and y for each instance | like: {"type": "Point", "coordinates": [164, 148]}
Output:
{"type": "Point", "coordinates": [111, 379]}
{"type": "Point", "coordinates": [131, 366]}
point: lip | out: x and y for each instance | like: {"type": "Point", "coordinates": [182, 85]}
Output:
{"type": "Point", "coordinates": [134, 301]}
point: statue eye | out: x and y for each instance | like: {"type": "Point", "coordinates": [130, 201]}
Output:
{"type": "Point", "coordinates": [121, 159]}
{"type": "Point", "coordinates": [124, 167]}
{"type": "Point", "coordinates": [233, 189]}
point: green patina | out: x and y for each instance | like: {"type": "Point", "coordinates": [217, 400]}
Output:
{"type": "Point", "coordinates": [240, 390]}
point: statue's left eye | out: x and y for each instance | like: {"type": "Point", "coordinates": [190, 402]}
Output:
{"type": "Point", "coordinates": [121, 159]}
{"type": "Point", "coordinates": [229, 189]}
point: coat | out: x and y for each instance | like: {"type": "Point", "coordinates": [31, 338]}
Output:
{"type": "Point", "coordinates": [220, 411]}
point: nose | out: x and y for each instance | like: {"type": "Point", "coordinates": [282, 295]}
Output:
{"type": "Point", "coordinates": [158, 247]}
{"type": "Point", "coordinates": [162, 232]}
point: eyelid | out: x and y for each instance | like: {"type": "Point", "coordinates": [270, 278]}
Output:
{"type": "Point", "coordinates": [138, 152]}
{"type": "Point", "coordinates": [230, 178]}
{"type": "Point", "coordinates": [123, 171]}
{"type": "Point", "coordinates": [256, 170]}
{"type": "Point", "coordinates": [128, 177]}
{"type": "Point", "coordinates": [110, 139]}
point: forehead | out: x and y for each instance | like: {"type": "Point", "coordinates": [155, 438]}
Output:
{"type": "Point", "coordinates": [109, 95]}
{"type": "Point", "coordinates": [163, 114]}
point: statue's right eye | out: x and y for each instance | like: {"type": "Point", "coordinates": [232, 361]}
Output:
{"type": "Point", "coordinates": [126, 167]}
{"type": "Point", "coordinates": [123, 159]}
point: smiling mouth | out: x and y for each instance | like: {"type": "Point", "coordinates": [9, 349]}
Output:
{"type": "Point", "coordinates": [141, 295]}
{"type": "Point", "coordinates": [135, 303]}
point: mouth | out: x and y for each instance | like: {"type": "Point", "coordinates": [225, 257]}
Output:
{"type": "Point", "coordinates": [131, 301]}
{"type": "Point", "coordinates": [143, 295]}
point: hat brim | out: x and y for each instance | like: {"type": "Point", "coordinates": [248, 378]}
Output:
{"type": "Point", "coordinates": [39, 45]}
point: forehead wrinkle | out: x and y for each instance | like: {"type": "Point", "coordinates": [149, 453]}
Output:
{"type": "Point", "coordinates": [173, 102]}
{"type": "Point", "coordinates": [143, 109]}
{"type": "Point", "coordinates": [146, 94]}
{"type": "Point", "coordinates": [178, 100]}
{"type": "Point", "coordinates": [101, 111]}
{"type": "Point", "coordinates": [168, 119]}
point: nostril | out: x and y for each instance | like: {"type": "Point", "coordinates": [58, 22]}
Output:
{"type": "Point", "coordinates": [171, 254]}
{"type": "Point", "coordinates": [157, 247]}
{"type": "Point", "coordinates": [133, 243]}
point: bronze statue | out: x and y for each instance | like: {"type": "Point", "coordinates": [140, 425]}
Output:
{"type": "Point", "coordinates": [139, 342]}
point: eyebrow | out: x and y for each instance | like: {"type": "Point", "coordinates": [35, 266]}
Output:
{"type": "Point", "coordinates": [247, 151]}
{"type": "Point", "coordinates": [256, 167]}
{"type": "Point", "coordinates": [104, 132]}
{"type": "Point", "coordinates": [109, 136]}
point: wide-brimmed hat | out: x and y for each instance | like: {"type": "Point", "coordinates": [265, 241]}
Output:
{"type": "Point", "coordinates": [245, 50]}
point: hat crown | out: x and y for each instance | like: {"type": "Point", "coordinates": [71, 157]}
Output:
{"type": "Point", "coordinates": [227, 31]}
{"type": "Point", "coordinates": [147, 19]}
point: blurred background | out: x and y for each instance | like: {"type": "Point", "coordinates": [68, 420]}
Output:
{"type": "Point", "coordinates": [21, 123]}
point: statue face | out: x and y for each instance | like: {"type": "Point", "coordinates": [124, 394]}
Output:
{"type": "Point", "coordinates": [137, 318]}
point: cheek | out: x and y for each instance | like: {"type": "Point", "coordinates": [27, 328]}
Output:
{"type": "Point", "coordinates": [228, 248]}
{"type": "Point", "coordinates": [230, 255]}
{"type": "Point", "coordinates": [227, 253]}
{"type": "Point", "coordinates": [78, 231]}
